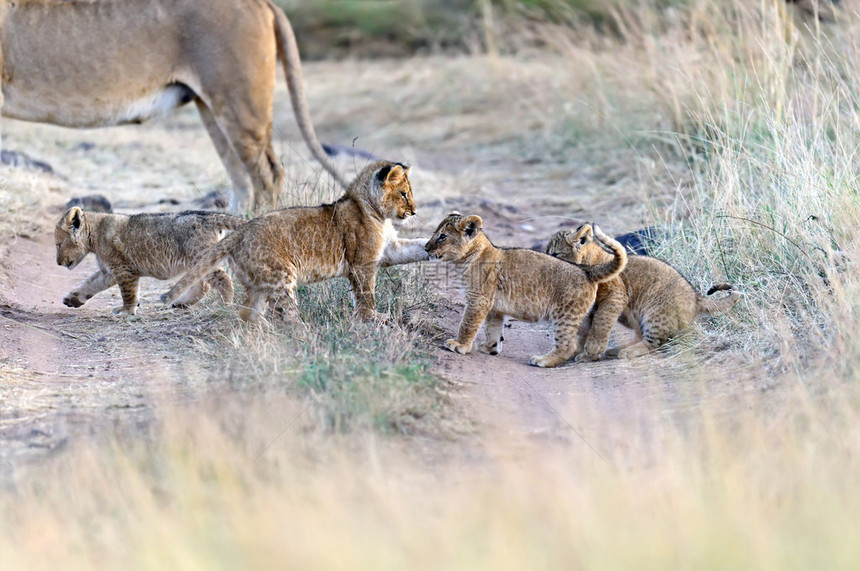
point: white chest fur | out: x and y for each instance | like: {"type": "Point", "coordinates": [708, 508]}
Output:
{"type": "Point", "coordinates": [389, 236]}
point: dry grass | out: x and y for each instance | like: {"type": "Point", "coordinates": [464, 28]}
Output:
{"type": "Point", "coordinates": [771, 486]}
{"type": "Point", "coordinates": [727, 124]}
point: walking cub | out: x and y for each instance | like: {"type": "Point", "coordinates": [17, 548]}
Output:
{"type": "Point", "coordinates": [524, 284]}
{"type": "Point", "coordinates": [143, 245]}
{"type": "Point", "coordinates": [352, 237]}
{"type": "Point", "coordinates": [649, 296]}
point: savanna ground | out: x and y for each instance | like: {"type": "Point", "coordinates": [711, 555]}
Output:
{"type": "Point", "coordinates": [187, 439]}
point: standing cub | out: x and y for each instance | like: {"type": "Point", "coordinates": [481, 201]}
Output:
{"type": "Point", "coordinates": [143, 245]}
{"type": "Point", "coordinates": [649, 296]}
{"type": "Point", "coordinates": [352, 237]}
{"type": "Point", "coordinates": [521, 283]}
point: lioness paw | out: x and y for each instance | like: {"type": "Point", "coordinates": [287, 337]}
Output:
{"type": "Point", "coordinates": [457, 347]}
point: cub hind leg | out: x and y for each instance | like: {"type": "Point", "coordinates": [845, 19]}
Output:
{"type": "Point", "coordinates": [494, 324]}
{"type": "Point", "coordinates": [653, 335]}
{"type": "Point", "coordinates": [252, 309]}
{"type": "Point", "coordinates": [604, 318]}
{"type": "Point", "coordinates": [283, 301]}
{"type": "Point", "coordinates": [566, 332]}
{"type": "Point", "coordinates": [192, 295]}
{"type": "Point", "coordinates": [220, 281]}
{"type": "Point", "coordinates": [278, 289]}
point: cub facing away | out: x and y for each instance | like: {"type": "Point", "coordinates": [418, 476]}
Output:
{"type": "Point", "coordinates": [351, 238]}
{"type": "Point", "coordinates": [523, 284]}
{"type": "Point", "coordinates": [649, 296]}
{"type": "Point", "coordinates": [143, 245]}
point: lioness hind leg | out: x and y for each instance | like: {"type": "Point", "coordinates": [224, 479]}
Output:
{"type": "Point", "coordinates": [221, 282]}
{"type": "Point", "coordinates": [249, 132]}
{"type": "Point", "coordinates": [242, 194]}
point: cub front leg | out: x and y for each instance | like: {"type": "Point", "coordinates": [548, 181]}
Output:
{"type": "Point", "coordinates": [404, 251]}
{"type": "Point", "coordinates": [362, 280]}
{"type": "Point", "coordinates": [127, 280]}
{"type": "Point", "coordinates": [477, 308]}
{"type": "Point", "coordinates": [95, 283]}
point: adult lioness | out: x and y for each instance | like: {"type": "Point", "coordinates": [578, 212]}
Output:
{"type": "Point", "coordinates": [98, 63]}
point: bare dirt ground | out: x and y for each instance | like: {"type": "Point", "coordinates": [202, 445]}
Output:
{"type": "Point", "coordinates": [68, 373]}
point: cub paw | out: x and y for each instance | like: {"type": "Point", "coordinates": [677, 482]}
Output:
{"type": "Point", "coordinates": [490, 348]}
{"type": "Point", "coordinates": [73, 300]}
{"type": "Point", "coordinates": [543, 361]}
{"type": "Point", "coordinates": [456, 346]}
{"type": "Point", "coordinates": [585, 358]}
{"type": "Point", "coordinates": [632, 352]}
{"type": "Point", "coordinates": [125, 310]}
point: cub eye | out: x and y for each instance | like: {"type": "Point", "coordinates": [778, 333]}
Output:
{"type": "Point", "coordinates": [403, 194]}
{"type": "Point", "coordinates": [582, 240]}
{"type": "Point", "coordinates": [442, 237]}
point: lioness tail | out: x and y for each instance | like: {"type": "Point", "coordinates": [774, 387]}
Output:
{"type": "Point", "coordinates": [289, 52]}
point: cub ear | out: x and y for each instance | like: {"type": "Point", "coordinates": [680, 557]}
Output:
{"type": "Point", "coordinates": [582, 235]}
{"type": "Point", "coordinates": [470, 225]}
{"type": "Point", "coordinates": [392, 174]}
{"type": "Point", "coordinates": [74, 218]}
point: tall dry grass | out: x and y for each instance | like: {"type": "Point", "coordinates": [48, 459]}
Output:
{"type": "Point", "coordinates": [760, 116]}
{"type": "Point", "coordinates": [773, 485]}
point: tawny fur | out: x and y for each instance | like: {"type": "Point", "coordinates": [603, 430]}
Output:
{"type": "Point", "coordinates": [523, 284]}
{"type": "Point", "coordinates": [649, 296]}
{"type": "Point", "coordinates": [97, 63]}
{"type": "Point", "coordinates": [350, 238]}
{"type": "Point", "coordinates": [127, 248]}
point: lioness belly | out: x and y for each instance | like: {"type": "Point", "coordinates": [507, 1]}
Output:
{"type": "Point", "coordinates": [98, 111]}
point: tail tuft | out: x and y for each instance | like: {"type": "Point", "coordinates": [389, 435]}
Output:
{"type": "Point", "coordinates": [712, 306]}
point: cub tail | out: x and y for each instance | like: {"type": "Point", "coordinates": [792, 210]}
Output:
{"type": "Point", "coordinates": [599, 273]}
{"type": "Point", "coordinates": [711, 306]}
{"type": "Point", "coordinates": [209, 260]}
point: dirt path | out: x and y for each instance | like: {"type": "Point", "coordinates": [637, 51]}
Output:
{"type": "Point", "coordinates": [73, 372]}
{"type": "Point", "coordinates": [69, 373]}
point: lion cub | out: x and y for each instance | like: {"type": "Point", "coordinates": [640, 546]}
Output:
{"type": "Point", "coordinates": [352, 237]}
{"type": "Point", "coordinates": [649, 296]}
{"type": "Point", "coordinates": [521, 283]}
{"type": "Point", "coordinates": [143, 245]}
